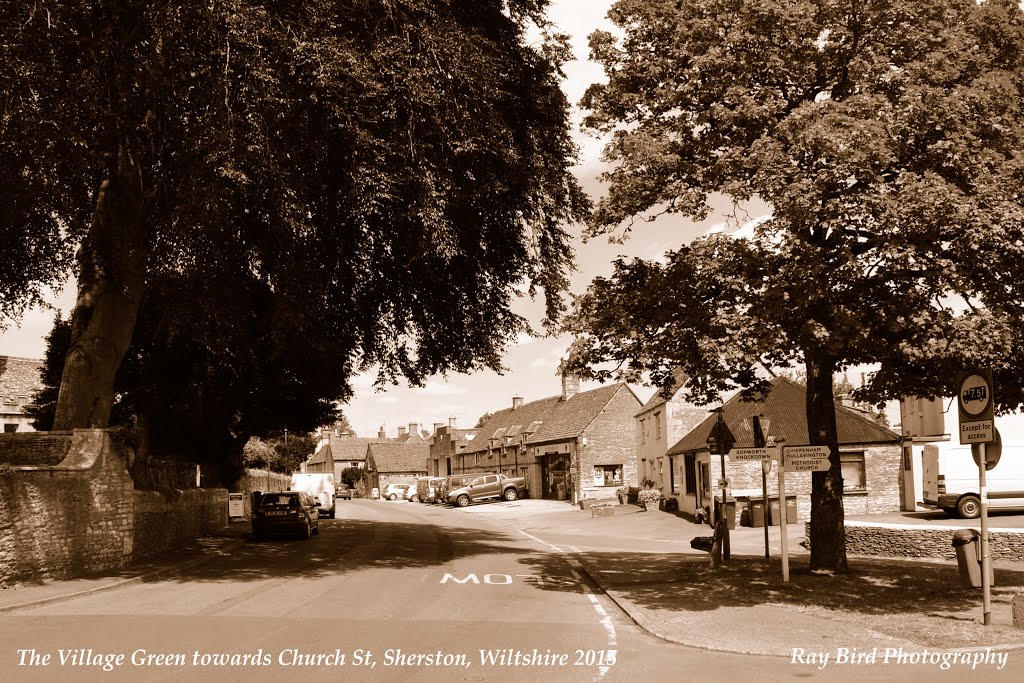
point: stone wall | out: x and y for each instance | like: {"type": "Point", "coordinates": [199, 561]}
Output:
{"type": "Point", "coordinates": [260, 480]}
{"type": "Point", "coordinates": [610, 440]}
{"type": "Point", "coordinates": [34, 448]}
{"type": "Point", "coordinates": [923, 541]}
{"type": "Point", "coordinates": [83, 515]}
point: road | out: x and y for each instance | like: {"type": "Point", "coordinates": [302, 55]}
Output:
{"type": "Point", "coordinates": [389, 591]}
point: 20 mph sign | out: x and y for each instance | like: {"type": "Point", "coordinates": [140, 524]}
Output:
{"type": "Point", "coordinates": [975, 401]}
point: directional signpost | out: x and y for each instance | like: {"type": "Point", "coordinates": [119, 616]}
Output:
{"type": "Point", "coordinates": [807, 458]}
{"type": "Point", "coordinates": [748, 454]}
{"type": "Point", "coordinates": [976, 407]}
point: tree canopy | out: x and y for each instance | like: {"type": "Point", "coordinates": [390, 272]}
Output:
{"type": "Point", "coordinates": [886, 138]}
{"type": "Point", "coordinates": [369, 180]}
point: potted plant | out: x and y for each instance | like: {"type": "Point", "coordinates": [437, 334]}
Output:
{"type": "Point", "coordinates": [623, 494]}
{"type": "Point", "coordinates": [649, 498]}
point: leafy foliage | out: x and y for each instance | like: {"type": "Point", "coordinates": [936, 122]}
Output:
{"type": "Point", "coordinates": [351, 476]}
{"type": "Point", "coordinates": [379, 176]}
{"type": "Point", "coordinates": [886, 138]}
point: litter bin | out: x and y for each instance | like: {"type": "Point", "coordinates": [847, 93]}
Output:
{"type": "Point", "coordinates": [775, 514]}
{"type": "Point", "coordinates": [755, 508]}
{"type": "Point", "coordinates": [729, 511]}
{"type": "Point", "coordinates": [967, 543]}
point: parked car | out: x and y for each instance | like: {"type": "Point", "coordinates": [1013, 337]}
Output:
{"type": "Point", "coordinates": [286, 512]}
{"type": "Point", "coordinates": [412, 494]}
{"type": "Point", "coordinates": [427, 488]}
{"type": "Point", "coordinates": [451, 483]}
{"type": "Point", "coordinates": [343, 492]}
{"type": "Point", "coordinates": [394, 491]}
{"type": "Point", "coordinates": [487, 486]}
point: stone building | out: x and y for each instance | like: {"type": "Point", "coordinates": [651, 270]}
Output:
{"type": "Point", "coordinates": [572, 446]}
{"type": "Point", "coordinates": [446, 445]}
{"type": "Point", "coordinates": [870, 455]}
{"type": "Point", "coordinates": [20, 380]}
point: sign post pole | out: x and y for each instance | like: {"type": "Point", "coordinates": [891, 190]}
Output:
{"type": "Point", "coordinates": [783, 540]}
{"type": "Point", "coordinates": [976, 404]}
{"type": "Point", "coordinates": [986, 562]}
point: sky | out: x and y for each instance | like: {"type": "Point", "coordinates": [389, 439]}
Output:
{"type": "Point", "coordinates": [531, 362]}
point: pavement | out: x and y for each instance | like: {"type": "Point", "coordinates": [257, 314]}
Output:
{"type": "Point", "coordinates": [644, 563]}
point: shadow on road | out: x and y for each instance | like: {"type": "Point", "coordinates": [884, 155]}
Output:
{"type": "Point", "coordinates": [352, 547]}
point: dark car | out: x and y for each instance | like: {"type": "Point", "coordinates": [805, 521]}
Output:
{"type": "Point", "coordinates": [286, 512]}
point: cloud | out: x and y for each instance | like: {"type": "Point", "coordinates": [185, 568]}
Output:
{"type": "Point", "coordinates": [442, 388]}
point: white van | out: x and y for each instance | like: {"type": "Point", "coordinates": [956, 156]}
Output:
{"type": "Point", "coordinates": [320, 485]}
{"type": "Point", "coordinates": [950, 480]}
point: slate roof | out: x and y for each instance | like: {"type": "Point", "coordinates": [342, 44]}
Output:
{"type": "Point", "coordinates": [559, 420]}
{"type": "Point", "coordinates": [399, 457]}
{"type": "Point", "coordinates": [20, 379]}
{"type": "Point", "coordinates": [342, 448]}
{"type": "Point", "coordinates": [786, 409]}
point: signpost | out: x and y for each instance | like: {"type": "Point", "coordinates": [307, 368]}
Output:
{"type": "Point", "coordinates": [807, 458]}
{"type": "Point", "coordinates": [976, 408]}
{"type": "Point", "coordinates": [783, 540]}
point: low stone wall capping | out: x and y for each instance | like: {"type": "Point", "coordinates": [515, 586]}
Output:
{"type": "Point", "coordinates": [83, 515]}
{"type": "Point", "coordinates": [922, 541]}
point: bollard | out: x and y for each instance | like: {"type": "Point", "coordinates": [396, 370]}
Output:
{"type": "Point", "coordinates": [1018, 610]}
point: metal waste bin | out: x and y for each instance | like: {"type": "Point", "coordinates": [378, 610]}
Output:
{"type": "Point", "coordinates": [967, 543]}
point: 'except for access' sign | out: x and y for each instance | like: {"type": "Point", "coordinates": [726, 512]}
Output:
{"type": "Point", "coordinates": [976, 406]}
{"type": "Point", "coordinates": [807, 459]}
{"type": "Point", "coordinates": [746, 454]}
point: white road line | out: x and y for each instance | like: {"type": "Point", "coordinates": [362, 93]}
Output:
{"type": "Point", "coordinates": [605, 619]}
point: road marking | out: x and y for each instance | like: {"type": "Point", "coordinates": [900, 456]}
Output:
{"type": "Point", "coordinates": [605, 619]}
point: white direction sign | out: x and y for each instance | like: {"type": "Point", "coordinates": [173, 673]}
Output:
{"type": "Point", "coordinates": [744, 454]}
{"type": "Point", "coordinates": [807, 459]}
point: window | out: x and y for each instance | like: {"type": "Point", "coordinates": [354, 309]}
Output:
{"type": "Point", "coordinates": [673, 482]}
{"type": "Point", "coordinates": [607, 475]}
{"type": "Point", "coordinates": [690, 473]}
{"type": "Point", "coordinates": [643, 431]}
{"type": "Point", "coordinates": [657, 426]}
{"type": "Point", "coordinates": [853, 471]}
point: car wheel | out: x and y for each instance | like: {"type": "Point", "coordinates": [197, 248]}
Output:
{"type": "Point", "coordinates": [414, 499]}
{"type": "Point", "coordinates": [462, 501]}
{"type": "Point", "coordinates": [305, 532]}
{"type": "Point", "coordinates": [393, 496]}
{"type": "Point", "coordinates": [511, 494]}
{"type": "Point", "coordinates": [969, 507]}
{"type": "Point", "coordinates": [316, 529]}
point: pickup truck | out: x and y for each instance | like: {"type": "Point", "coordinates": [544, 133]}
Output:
{"type": "Point", "coordinates": [486, 486]}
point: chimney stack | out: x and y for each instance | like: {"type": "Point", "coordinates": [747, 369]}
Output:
{"type": "Point", "coordinates": [437, 427]}
{"type": "Point", "coordinates": [451, 422]}
{"type": "Point", "coordinates": [570, 386]}
{"type": "Point", "coordinates": [381, 434]}
{"type": "Point", "coordinates": [401, 431]}
{"type": "Point", "coordinates": [517, 402]}
{"type": "Point", "coordinates": [414, 428]}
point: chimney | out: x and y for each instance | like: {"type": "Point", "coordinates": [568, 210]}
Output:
{"type": "Point", "coordinates": [517, 402]}
{"type": "Point", "coordinates": [381, 433]}
{"type": "Point", "coordinates": [401, 431]}
{"type": "Point", "coordinates": [437, 427]}
{"type": "Point", "coordinates": [570, 386]}
{"type": "Point", "coordinates": [451, 422]}
{"type": "Point", "coordinates": [414, 428]}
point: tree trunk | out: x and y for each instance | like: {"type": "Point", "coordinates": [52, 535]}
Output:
{"type": "Point", "coordinates": [112, 266]}
{"type": "Point", "coordinates": [828, 534]}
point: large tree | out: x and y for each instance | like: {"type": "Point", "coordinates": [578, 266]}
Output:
{"type": "Point", "coordinates": [388, 173]}
{"type": "Point", "coordinates": [886, 137]}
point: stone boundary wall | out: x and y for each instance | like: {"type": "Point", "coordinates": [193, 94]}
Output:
{"type": "Point", "coordinates": [161, 523]}
{"type": "Point", "coordinates": [34, 448]}
{"type": "Point", "coordinates": [260, 480]}
{"type": "Point", "coordinates": [83, 515]}
{"type": "Point", "coordinates": [922, 541]}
